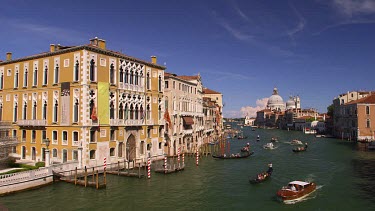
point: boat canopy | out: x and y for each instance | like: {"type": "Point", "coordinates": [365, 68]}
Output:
{"type": "Point", "coordinates": [298, 183]}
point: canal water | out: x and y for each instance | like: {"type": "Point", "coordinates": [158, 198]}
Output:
{"type": "Point", "coordinates": [343, 173]}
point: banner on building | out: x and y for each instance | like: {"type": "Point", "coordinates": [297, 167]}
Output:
{"type": "Point", "coordinates": [103, 103]}
{"type": "Point", "coordinates": [65, 103]}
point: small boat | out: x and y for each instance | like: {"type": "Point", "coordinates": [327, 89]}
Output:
{"type": "Point", "coordinates": [269, 146]}
{"type": "Point", "coordinates": [252, 129]}
{"type": "Point", "coordinates": [295, 191]}
{"type": "Point", "coordinates": [246, 148]}
{"type": "Point", "coordinates": [300, 149]}
{"type": "Point", "coordinates": [262, 176]}
{"type": "Point", "coordinates": [169, 171]}
{"type": "Point", "coordinates": [296, 142]}
{"type": "Point", "coordinates": [273, 139]}
{"type": "Point", "coordinates": [233, 156]}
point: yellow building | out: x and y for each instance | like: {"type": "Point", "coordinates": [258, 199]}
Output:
{"type": "Point", "coordinates": [90, 102]}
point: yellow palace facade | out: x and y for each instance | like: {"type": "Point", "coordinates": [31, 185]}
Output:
{"type": "Point", "coordinates": [90, 102]}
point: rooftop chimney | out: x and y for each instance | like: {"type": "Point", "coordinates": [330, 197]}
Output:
{"type": "Point", "coordinates": [9, 56]}
{"type": "Point", "coordinates": [98, 43]}
{"type": "Point", "coordinates": [153, 59]}
{"type": "Point", "coordinates": [52, 48]}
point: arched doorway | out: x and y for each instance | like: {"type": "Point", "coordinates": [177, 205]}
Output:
{"type": "Point", "coordinates": [131, 148]}
{"type": "Point", "coordinates": [23, 152]}
{"type": "Point", "coordinates": [33, 153]}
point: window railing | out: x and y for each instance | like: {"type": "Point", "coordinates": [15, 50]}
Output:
{"type": "Point", "coordinates": [32, 122]}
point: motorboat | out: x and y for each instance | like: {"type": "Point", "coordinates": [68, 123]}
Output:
{"type": "Point", "coordinates": [296, 142]}
{"type": "Point", "coordinates": [295, 191]}
{"type": "Point", "coordinates": [269, 146]}
{"type": "Point", "coordinates": [300, 149]}
{"type": "Point", "coordinates": [273, 139]}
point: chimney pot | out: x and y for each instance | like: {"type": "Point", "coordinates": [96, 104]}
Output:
{"type": "Point", "coordinates": [153, 59]}
{"type": "Point", "coordinates": [52, 48]}
{"type": "Point", "coordinates": [9, 56]}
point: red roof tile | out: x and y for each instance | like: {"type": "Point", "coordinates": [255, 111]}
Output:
{"type": "Point", "coordinates": [369, 99]}
{"type": "Point", "coordinates": [209, 91]}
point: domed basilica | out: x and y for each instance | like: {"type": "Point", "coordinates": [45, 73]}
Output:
{"type": "Point", "coordinates": [276, 103]}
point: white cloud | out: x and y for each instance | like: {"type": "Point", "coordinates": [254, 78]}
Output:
{"type": "Point", "coordinates": [301, 22]}
{"type": "Point", "coordinates": [354, 7]}
{"type": "Point", "coordinates": [235, 32]}
{"type": "Point", "coordinates": [252, 111]}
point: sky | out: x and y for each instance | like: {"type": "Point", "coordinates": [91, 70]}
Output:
{"type": "Point", "coordinates": [316, 49]}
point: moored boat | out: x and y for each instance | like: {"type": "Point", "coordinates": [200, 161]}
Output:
{"type": "Point", "coordinates": [233, 156]}
{"type": "Point", "coordinates": [295, 191]}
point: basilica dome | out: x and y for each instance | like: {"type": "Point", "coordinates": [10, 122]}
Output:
{"type": "Point", "coordinates": [275, 102]}
{"type": "Point", "coordinates": [290, 104]}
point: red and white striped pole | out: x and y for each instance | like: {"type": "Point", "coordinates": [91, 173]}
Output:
{"type": "Point", "coordinates": [148, 167]}
{"type": "Point", "coordinates": [105, 163]}
{"type": "Point", "coordinates": [165, 164]}
{"type": "Point", "coordinates": [197, 160]}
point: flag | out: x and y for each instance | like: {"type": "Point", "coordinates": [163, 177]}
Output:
{"type": "Point", "coordinates": [65, 103]}
{"type": "Point", "coordinates": [93, 114]}
{"type": "Point", "coordinates": [167, 118]}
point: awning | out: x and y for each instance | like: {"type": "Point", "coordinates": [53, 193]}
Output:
{"type": "Point", "coordinates": [188, 120]}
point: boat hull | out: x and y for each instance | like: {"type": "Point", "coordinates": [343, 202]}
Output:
{"type": "Point", "coordinates": [289, 196]}
{"type": "Point", "coordinates": [229, 157]}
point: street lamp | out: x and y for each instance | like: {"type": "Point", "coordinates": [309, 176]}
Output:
{"type": "Point", "coordinates": [47, 142]}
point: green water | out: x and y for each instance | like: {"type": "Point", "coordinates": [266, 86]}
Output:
{"type": "Point", "coordinates": [344, 175]}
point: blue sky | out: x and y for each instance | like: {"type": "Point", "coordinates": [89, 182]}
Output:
{"type": "Point", "coordinates": [316, 49]}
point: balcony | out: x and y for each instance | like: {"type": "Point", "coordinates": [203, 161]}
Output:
{"type": "Point", "coordinates": [31, 122]}
{"type": "Point", "coordinates": [131, 87]}
{"type": "Point", "coordinates": [187, 132]}
{"type": "Point", "coordinates": [133, 122]}
{"type": "Point", "coordinates": [94, 122]}
{"type": "Point", "coordinates": [149, 122]}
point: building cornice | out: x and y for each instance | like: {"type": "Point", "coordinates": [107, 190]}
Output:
{"type": "Point", "coordinates": [83, 47]}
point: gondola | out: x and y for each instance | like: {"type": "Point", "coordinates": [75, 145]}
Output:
{"type": "Point", "coordinates": [265, 176]}
{"type": "Point", "coordinates": [245, 155]}
{"type": "Point", "coordinates": [262, 176]}
{"type": "Point", "coordinates": [299, 149]}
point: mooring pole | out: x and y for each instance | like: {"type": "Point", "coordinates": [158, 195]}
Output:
{"type": "Point", "coordinates": [85, 176]}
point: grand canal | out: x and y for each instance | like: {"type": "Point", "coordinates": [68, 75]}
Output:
{"type": "Point", "coordinates": [344, 175]}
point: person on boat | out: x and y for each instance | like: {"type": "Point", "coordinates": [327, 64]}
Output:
{"type": "Point", "coordinates": [293, 188]}
{"type": "Point", "coordinates": [306, 145]}
{"type": "Point", "coordinates": [270, 169]}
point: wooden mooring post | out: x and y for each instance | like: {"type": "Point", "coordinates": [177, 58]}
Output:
{"type": "Point", "coordinates": [75, 177]}
{"type": "Point", "coordinates": [85, 176]}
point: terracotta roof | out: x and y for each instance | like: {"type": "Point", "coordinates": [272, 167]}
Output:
{"type": "Point", "coordinates": [188, 78]}
{"type": "Point", "coordinates": [209, 91]}
{"type": "Point", "coordinates": [369, 99]}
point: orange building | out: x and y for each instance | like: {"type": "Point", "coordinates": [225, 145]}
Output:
{"type": "Point", "coordinates": [90, 102]}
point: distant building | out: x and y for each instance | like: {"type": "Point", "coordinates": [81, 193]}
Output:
{"type": "Point", "coordinates": [249, 121]}
{"type": "Point", "coordinates": [218, 98]}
